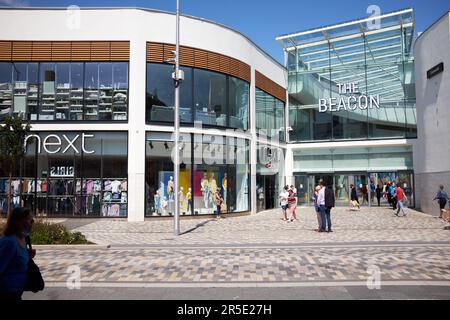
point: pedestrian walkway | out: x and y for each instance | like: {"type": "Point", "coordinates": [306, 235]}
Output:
{"type": "Point", "coordinates": [259, 252]}
{"type": "Point", "coordinates": [367, 225]}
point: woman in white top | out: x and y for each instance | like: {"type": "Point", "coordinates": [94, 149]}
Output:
{"type": "Point", "coordinates": [284, 201]}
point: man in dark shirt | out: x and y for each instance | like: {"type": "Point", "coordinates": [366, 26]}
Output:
{"type": "Point", "coordinates": [329, 204]}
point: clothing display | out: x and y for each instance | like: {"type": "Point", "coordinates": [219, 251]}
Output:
{"type": "Point", "coordinates": [68, 196]}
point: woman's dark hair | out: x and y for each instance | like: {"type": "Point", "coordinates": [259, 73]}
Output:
{"type": "Point", "coordinates": [12, 224]}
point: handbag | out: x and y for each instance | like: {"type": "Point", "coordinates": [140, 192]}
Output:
{"type": "Point", "coordinates": [35, 282]}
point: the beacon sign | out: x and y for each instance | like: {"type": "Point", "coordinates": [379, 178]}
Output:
{"type": "Point", "coordinates": [352, 101]}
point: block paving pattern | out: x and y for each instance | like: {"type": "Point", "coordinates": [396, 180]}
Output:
{"type": "Point", "coordinates": [369, 224]}
{"type": "Point", "coordinates": [257, 249]}
{"type": "Point", "coordinates": [248, 264]}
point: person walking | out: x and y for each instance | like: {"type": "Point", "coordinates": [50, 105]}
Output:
{"type": "Point", "coordinates": [218, 200]}
{"type": "Point", "coordinates": [378, 190]}
{"type": "Point", "coordinates": [294, 211]}
{"type": "Point", "coordinates": [284, 194]}
{"type": "Point", "coordinates": [329, 204]}
{"type": "Point", "coordinates": [393, 198]}
{"type": "Point", "coordinates": [15, 255]}
{"type": "Point", "coordinates": [442, 198]}
{"type": "Point", "coordinates": [291, 205]}
{"type": "Point", "coordinates": [400, 197]}
{"type": "Point", "coordinates": [388, 193]}
{"type": "Point", "coordinates": [354, 197]}
{"type": "Point", "coordinates": [372, 191]}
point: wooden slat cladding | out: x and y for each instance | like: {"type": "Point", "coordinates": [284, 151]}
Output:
{"type": "Point", "coordinates": [100, 51]}
{"type": "Point", "coordinates": [42, 51]}
{"type": "Point", "coordinates": [169, 56]}
{"type": "Point", "coordinates": [267, 85]}
{"type": "Point", "coordinates": [201, 59]}
{"type": "Point", "coordinates": [5, 50]}
{"type": "Point", "coordinates": [155, 52]}
{"type": "Point", "coordinates": [61, 51]}
{"type": "Point", "coordinates": [187, 57]}
{"type": "Point", "coordinates": [214, 61]}
{"type": "Point", "coordinates": [22, 51]}
{"type": "Point", "coordinates": [197, 58]}
{"type": "Point", "coordinates": [81, 51]}
{"type": "Point", "coordinates": [120, 51]}
{"type": "Point", "coordinates": [64, 50]}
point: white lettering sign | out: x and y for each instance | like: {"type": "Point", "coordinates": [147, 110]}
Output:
{"type": "Point", "coordinates": [62, 171]}
{"type": "Point", "coordinates": [352, 102]}
{"type": "Point", "coordinates": [54, 143]}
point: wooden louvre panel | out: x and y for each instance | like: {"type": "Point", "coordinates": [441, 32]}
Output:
{"type": "Point", "coordinates": [269, 86]}
{"type": "Point", "coordinates": [61, 50]}
{"type": "Point", "coordinates": [244, 71]}
{"type": "Point", "coordinates": [234, 67]}
{"type": "Point", "coordinates": [22, 50]}
{"type": "Point", "coordinates": [81, 51]}
{"type": "Point", "coordinates": [42, 51]}
{"type": "Point", "coordinates": [168, 54]}
{"type": "Point", "coordinates": [225, 64]}
{"type": "Point", "coordinates": [155, 52]}
{"type": "Point", "coordinates": [187, 57]}
{"type": "Point", "coordinates": [120, 51]}
{"type": "Point", "coordinates": [201, 59]}
{"type": "Point", "coordinates": [100, 51]}
{"type": "Point", "coordinates": [213, 61]}
{"type": "Point", "coordinates": [5, 50]}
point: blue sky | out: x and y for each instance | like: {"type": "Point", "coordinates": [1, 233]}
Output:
{"type": "Point", "coordinates": [263, 20]}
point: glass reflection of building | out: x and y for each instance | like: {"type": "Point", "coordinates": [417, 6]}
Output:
{"type": "Point", "coordinates": [361, 146]}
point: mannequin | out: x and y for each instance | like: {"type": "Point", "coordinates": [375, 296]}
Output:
{"type": "Point", "coordinates": [205, 190]}
{"type": "Point", "coordinates": [159, 198]}
{"type": "Point", "coordinates": [170, 188]}
{"type": "Point", "coordinates": [224, 187]}
{"type": "Point", "coordinates": [212, 188]}
{"type": "Point", "coordinates": [189, 200]}
{"type": "Point", "coordinates": [182, 200]}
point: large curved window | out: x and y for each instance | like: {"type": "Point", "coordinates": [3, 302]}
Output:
{"type": "Point", "coordinates": [212, 98]}
{"type": "Point", "coordinates": [208, 163]}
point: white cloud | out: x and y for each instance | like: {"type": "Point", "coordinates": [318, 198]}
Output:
{"type": "Point", "coordinates": [14, 3]}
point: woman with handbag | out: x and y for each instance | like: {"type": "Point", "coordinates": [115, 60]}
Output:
{"type": "Point", "coordinates": [15, 256]}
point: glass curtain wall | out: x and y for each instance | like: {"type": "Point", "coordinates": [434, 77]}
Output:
{"type": "Point", "coordinates": [209, 163]}
{"type": "Point", "coordinates": [269, 116]}
{"type": "Point", "coordinates": [361, 78]}
{"type": "Point", "coordinates": [212, 98]}
{"type": "Point", "coordinates": [71, 174]}
{"type": "Point", "coordinates": [64, 91]}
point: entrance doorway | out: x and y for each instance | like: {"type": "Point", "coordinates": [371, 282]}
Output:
{"type": "Point", "coordinates": [266, 192]}
{"type": "Point", "coordinates": [366, 185]}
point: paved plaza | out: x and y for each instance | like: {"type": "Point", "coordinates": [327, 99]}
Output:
{"type": "Point", "coordinates": [260, 254]}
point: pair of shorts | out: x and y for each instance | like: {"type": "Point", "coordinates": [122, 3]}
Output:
{"type": "Point", "coordinates": [284, 207]}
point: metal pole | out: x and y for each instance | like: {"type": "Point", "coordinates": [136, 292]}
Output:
{"type": "Point", "coordinates": [177, 125]}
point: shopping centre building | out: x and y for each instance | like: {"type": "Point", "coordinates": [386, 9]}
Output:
{"type": "Point", "coordinates": [352, 106]}
{"type": "Point", "coordinates": [100, 96]}
{"type": "Point", "coordinates": [100, 99]}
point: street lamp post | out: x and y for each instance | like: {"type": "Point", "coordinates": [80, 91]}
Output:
{"type": "Point", "coordinates": [177, 77]}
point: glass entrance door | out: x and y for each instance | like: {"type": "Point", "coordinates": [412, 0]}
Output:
{"type": "Point", "coordinates": [342, 190]}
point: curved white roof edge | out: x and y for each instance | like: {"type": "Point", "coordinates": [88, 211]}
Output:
{"type": "Point", "coordinates": [156, 11]}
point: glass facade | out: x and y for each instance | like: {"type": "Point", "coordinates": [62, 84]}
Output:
{"type": "Point", "coordinates": [73, 174]}
{"type": "Point", "coordinates": [352, 82]}
{"type": "Point", "coordinates": [269, 116]}
{"type": "Point", "coordinates": [64, 91]}
{"type": "Point", "coordinates": [212, 98]}
{"type": "Point", "coordinates": [366, 168]}
{"type": "Point", "coordinates": [208, 163]}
